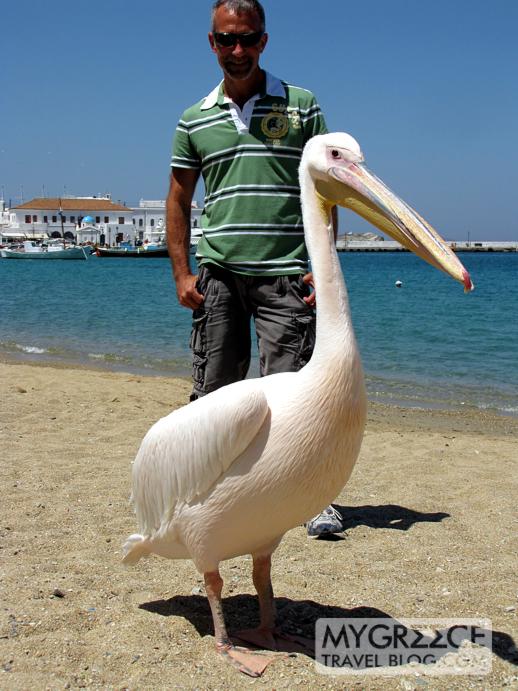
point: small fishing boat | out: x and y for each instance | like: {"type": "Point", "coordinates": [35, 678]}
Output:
{"type": "Point", "coordinates": [31, 250]}
{"type": "Point", "coordinates": [142, 252]}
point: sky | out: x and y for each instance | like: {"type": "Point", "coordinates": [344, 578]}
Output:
{"type": "Point", "coordinates": [92, 91]}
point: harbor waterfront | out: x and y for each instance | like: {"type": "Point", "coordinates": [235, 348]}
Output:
{"type": "Point", "coordinates": [344, 244]}
{"type": "Point", "coordinates": [424, 344]}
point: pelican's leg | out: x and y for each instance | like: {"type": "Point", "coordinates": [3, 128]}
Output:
{"type": "Point", "coordinates": [263, 636]}
{"type": "Point", "coordinates": [246, 661]}
{"type": "Point", "coordinates": [213, 588]}
{"type": "Point", "coordinates": [261, 576]}
{"type": "Point", "coordinates": [267, 635]}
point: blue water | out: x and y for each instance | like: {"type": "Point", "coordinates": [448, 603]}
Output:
{"type": "Point", "coordinates": [426, 344]}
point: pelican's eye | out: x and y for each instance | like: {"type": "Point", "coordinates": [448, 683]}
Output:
{"type": "Point", "coordinates": [335, 153]}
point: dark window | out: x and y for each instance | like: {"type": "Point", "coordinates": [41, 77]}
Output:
{"type": "Point", "coordinates": [54, 219]}
{"type": "Point", "coordinates": [152, 222]}
{"type": "Point", "coordinates": [97, 219]}
{"type": "Point", "coordinates": [34, 219]}
{"type": "Point", "coordinates": [45, 219]}
{"type": "Point", "coordinates": [27, 218]}
{"type": "Point", "coordinates": [72, 219]}
{"type": "Point", "coordinates": [121, 220]}
{"type": "Point", "coordinates": [106, 219]}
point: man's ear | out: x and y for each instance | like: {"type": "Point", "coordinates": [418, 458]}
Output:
{"type": "Point", "coordinates": [264, 41]}
{"type": "Point", "coordinates": [211, 41]}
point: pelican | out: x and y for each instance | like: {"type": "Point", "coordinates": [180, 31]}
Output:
{"type": "Point", "coordinates": [210, 478]}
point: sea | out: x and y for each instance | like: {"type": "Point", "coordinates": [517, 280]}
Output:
{"type": "Point", "coordinates": [425, 344]}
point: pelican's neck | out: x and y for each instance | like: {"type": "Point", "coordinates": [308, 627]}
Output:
{"type": "Point", "coordinates": [335, 336]}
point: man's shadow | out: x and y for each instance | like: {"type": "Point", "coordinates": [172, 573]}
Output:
{"type": "Point", "coordinates": [389, 516]}
{"type": "Point", "coordinates": [297, 619]}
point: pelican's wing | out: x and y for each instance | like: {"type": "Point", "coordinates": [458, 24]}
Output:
{"type": "Point", "coordinates": [185, 453]}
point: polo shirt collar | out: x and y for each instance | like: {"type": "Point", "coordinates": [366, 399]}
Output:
{"type": "Point", "coordinates": [273, 87]}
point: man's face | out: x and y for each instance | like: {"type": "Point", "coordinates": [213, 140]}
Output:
{"type": "Point", "coordinates": [236, 61]}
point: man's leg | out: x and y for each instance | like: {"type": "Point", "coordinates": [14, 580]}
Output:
{"type": "Point", "coordinates": [220, 338]}
{"type": "Point", "coordinates": [285, 327]}
{"type": "Point", "coordinates": [284, 323]}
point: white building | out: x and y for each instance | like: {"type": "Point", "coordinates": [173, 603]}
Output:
{"type": "Point", "coordinates": [149, 219]}
{"type": "Point", "coordinates": [96, 220]}
{"type": "Point", "coordinates": [82, 219]}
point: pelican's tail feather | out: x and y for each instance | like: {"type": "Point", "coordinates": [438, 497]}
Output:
{"type": "Point", "coordinates": [135, 547]}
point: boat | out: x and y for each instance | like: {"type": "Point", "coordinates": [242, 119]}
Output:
{"type": "Point", "coordinates": [31, 250]}
{"type": "Point", "coordinates": [145, 251]}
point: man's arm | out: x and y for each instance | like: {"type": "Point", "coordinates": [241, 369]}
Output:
{"type": "Point", "coordinates": [178, 223]}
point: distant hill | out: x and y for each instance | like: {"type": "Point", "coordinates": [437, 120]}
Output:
{"type": "Point", "coordinates": [362, 237]}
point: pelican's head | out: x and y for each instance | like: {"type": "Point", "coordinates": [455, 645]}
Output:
{"type": "Point", "coordinates": [335, 163]}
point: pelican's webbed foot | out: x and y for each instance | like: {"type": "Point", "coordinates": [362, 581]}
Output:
{"type": "Point", "coordinates": [246, 661]}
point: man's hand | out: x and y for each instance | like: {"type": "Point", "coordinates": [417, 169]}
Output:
{"type": "Point", "coordinates": [187, 293]}
{"type": "Point", "coordinates": [311, 299]}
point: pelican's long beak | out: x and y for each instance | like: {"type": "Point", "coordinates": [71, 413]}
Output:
{"type": "Point", "coordinates": [365, 194]}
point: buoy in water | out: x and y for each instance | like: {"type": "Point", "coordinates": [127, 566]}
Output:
{"type": "Point", "coordinates": [398, 284]}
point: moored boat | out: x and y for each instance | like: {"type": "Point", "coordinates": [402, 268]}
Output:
{"type": "Point", "coordinates": [31, 250]}
{"type": "Point", "coordinates": [142, 252]}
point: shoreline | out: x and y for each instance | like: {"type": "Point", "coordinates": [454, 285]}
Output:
{"type": "Point", "coordinates": [380, 414]}
{"type": "Point", "coordinates": [422, 406]}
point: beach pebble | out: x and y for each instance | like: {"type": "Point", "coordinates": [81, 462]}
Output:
{"type": "Point", "coordinates": [20, 389]}
{"type": "Point", "coordinates": [196, 590]}
{"type": "Point", "coordinates": [57, 592]}
{"type": "Point", "coordinates": [511, 608]}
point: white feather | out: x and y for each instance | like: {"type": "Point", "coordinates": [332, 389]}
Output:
{"type": "Point", "coordinates": [188, 451]}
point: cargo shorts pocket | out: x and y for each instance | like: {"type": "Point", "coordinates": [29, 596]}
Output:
{"type": "Point", "coordinates": [198, 346]}
{"type": "Point", "coordinates": [305, 325]}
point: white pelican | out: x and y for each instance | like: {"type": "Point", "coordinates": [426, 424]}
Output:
{"type": "Point", "coordinates": [210, 478]}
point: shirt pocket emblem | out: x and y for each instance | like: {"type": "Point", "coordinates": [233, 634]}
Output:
{"type": "Point", "coordinates": [275, 125]}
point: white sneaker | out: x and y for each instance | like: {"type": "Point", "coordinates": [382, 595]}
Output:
{"type": "Point", "coordinates": [326, 523]}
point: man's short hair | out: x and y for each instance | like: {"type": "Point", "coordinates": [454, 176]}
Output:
{"type": "Point", "coordinates": [241, 7]}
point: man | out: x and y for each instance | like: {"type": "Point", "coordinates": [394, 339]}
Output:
{"type": "Point", "coordinates": [246, 138]}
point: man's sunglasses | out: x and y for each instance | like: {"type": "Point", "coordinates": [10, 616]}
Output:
{"type": "Point", "coordinates": [229, 40]}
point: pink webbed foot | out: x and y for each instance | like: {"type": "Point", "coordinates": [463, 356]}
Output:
{"type": "Point", "coordinates": [246, 661]}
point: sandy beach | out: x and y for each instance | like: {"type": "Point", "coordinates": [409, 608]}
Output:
{"type": "Point", "coordinates": [430, 512]}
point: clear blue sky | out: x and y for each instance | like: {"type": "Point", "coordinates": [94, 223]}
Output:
{"type": "Point", "coordinates": [91, 92]}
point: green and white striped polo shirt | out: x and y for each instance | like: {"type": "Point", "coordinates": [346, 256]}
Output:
{"type": "Point", "coordinates": [249, 159]}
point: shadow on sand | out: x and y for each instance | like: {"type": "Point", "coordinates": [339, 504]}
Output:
{"type": "Point", "coordinates": [388, 516]}
{"type": "Point", "coordinates": [296, 617]}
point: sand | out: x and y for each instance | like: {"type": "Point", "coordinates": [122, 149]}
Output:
{"type": "Point", "coordinates": [431, 532]}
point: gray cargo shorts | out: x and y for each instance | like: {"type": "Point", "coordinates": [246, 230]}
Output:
{"type": "Point", "coordinates": [220, 339]}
